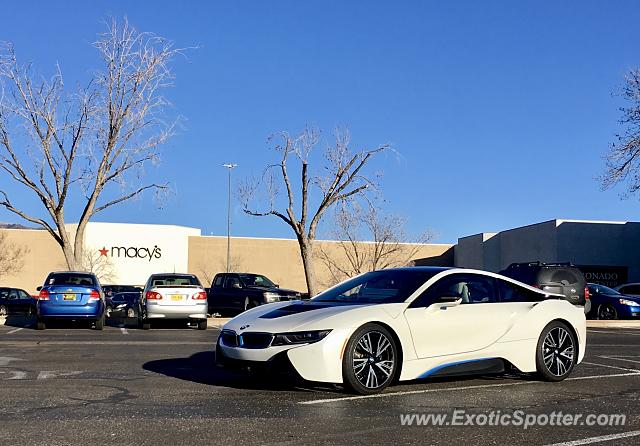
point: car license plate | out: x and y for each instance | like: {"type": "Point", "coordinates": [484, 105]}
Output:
{"type": "Point", "coordinates": [68, 297]}
{"type": "Point", "coordinates": [176, 297]}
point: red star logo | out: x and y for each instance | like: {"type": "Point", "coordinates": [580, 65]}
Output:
{"type": "Point", "coordinates": [103, 251]}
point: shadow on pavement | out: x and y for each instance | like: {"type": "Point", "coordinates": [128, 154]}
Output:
{"type": "Point", "coordinates": [200, 368]}
{"type": "Point", "coordinates": [20, 321]}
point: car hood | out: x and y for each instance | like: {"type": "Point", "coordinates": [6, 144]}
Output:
{"type": "Point", "coordinates": [283, 317]}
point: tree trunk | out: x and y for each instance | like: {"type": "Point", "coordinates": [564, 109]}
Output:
{"type": "Point", "coordinates": [306, 252]}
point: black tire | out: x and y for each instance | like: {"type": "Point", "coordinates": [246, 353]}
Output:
{"type": "Point", "coordinates": [556, 352]}
{"type": "Point", "coordinates": [99, 324]}
{"type": "Point", "coordinates": [40, 324]}
{"type": "Point", "coordinates": [202, 325]}
{"type": "Point", "coordinates": [249, 304]}
{"type": "Point", "coordinates": [362, 369]}
{"type": "Point", "coordinates": [607, 312]}
{"type": "Point", "coordinates": [145, 324]}
{"type": "Point", "coordinates": [3, 310]}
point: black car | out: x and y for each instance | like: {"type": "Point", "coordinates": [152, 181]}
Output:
{"type": "Point", "coordinates": [559, 278]}
{"type": "Point", "coordinates": [237, 292]}
{"type": "Point", "coordinates": [110, 290]}
{"type": "Point", "coordinates": [126, 304]}
{"type": "Point", "coordinates": [16, 301]}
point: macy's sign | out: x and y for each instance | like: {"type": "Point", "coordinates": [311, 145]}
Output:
{"type": "Point", "coordinates": [132, 252]}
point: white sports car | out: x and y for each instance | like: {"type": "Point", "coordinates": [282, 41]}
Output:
{"type": "Point", "coordinates": [409, 323]}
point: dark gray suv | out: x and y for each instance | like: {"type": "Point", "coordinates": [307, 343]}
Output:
{"type": "Point", "coordinates": [560, 278]}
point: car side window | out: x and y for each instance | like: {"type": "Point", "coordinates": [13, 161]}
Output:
{"type": "Point", "coordinates": [470, 288]}
{"type": "Point", "coordinates": [510, 292]}
{"type": "Point", "coordinates": [631, 289]}
{"type": "Point", "coordinates": [217, 282]}
{"type": "Point", "coordinates": [23, 294]}
{"type": "Point", "coordinates": [232, 282]}
{"type": "Point", "coordinates": [13, 294]}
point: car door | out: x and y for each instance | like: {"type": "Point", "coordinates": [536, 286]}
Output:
{"type": "Point", "coordinates": [26, 302]}
{"type": "Point", "coordinates": [233, 293]}
{"type": "Point", "coordinates": [441, 327]}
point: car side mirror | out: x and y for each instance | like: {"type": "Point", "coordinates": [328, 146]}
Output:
{"type": "Point", "coordinates": [38, 288]}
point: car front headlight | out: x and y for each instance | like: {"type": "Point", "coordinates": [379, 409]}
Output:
{"type": "Point", "coordinates": [300, 337]}
{"type": "Point", "coordinates": [631, 303]}
{"type": "Point", "coordinates": [271, 297]}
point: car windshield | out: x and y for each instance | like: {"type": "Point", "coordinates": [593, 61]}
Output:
{"type": "Point", "coordinates": [125, 297]}
{"type": "Point", "coordinates": [385, 286]}
{"type": "Point", "coordinates": [256, 280]}
{"type": "Point", "coordinates": [71, 279]}
{"type": "Point", "coordinates": [601, 289]}
{"type": "Point", "coordinates": [172, 280]}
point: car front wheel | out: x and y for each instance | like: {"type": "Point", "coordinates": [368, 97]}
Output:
{"type": "Point", "coordinates": [607, 312]}
{"type": "Point", "coordinates": [370, 361]}
{"type": "Point", "coordinates": [557, 352]}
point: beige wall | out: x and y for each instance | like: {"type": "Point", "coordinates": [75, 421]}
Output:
{"type": "Point", "coordinates": [43, 256]}
{"type": "Point", "coordinates": [278, 259]}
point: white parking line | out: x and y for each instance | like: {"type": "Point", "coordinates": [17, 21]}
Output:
{"type": "Point", "coordinates": [621, 358]}
{"type": "Point", "coordinates": [598, 439]}
{"type": "Point", "coordinates": [610, 366]}
{"type": "Point", "coordinates": [450, 389]}
{"type": "Point", "coordinates": [15, 331]}
{"type": "Point", "coordinates": [124, 330]}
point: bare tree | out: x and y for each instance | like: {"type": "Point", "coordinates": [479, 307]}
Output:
{"type": "Point", "coordinates": [11, 256]}
{"type": "Point", "coordinates": [92, 144]}
{"type": "Point", "coordinates": [208, 271]}
{"type": "Point", "coordinates": [367, 241]}
{"type": "Point", "coordinates": [623, 158]}
{"type": "Point", "coordinates": [102, 266]}
{"type": "Point", "coordinates": [342, 177]}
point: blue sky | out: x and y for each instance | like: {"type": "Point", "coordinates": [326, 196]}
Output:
{"type": "Point", "coordinates": [501, 111]}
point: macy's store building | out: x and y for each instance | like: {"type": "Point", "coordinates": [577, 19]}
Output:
{"type": "Point", "coordinates": [122, 253]}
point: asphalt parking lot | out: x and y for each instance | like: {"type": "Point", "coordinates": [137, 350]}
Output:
{"type": "Point", "coordinates": [127, 386]}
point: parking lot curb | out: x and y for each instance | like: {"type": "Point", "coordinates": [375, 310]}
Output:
{"type": "Point", "coordinates": [614, 324]}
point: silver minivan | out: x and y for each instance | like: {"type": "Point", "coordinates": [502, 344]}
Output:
{"type": "Point", "coordinates": [173, 296]}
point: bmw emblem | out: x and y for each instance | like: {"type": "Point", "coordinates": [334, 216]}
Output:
{"type": "Point", "coordinates": [244, 326]}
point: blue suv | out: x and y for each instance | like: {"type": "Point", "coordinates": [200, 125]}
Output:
{"type": "Point", "coordinates": [71, 295]}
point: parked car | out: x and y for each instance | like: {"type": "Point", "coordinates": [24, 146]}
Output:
{"type": "Point", "coordinates": [629, 289]}
{"type": "Point", "coordinates": [607, 303]}
{"type": "Point", "coordinates": [559, 278]}
{"type": "Point", "coordinates": [173, 296]}
{"type": "Point", "coordinates": [126, 304]}
{"type": "Point", "coordinates": [386, 326]}
{"type": "Point", "coordinates": [110, 290]}
{"type": "Point", "coordinates": [237, 292]}
{"type": "Point", "coordinates": [71, 295]}
{"type": "Point", "coordinates": [16, 301]}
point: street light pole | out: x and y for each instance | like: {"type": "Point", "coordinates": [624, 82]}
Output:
{"type": "Point", "coordinates": [229, 167]}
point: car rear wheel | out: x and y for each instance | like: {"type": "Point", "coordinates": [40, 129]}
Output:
{"type": "Point", "coordinates": [145, 324]}
{"type": "Point", "coordinates": [202, 325]}
{"type": "Point", "coordinates": [370, 361]}
{"type": "Point", "coordinates": [131, 313]}
{"type": "Point", "coordinates": [99, 325]}
{"type": "Point", "coordinates": [3, 310]}
{"type": "Point", "coordinates": [40, 324]}
{"type": "Point", "coordinates": [607, 312]}
{"type": "Point", "coordinates": [557, 352]}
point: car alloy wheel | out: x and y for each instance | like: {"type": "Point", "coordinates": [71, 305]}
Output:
{"type": "Point", "coordinates": [131, 313]}
{"type": "Point", "coordinates": [3, 310]}
{"type": "Point", "coordinates": [557, 350]}
{"type": "Point", "coordinates": [371, 360]}
{"type": "Point", "coordinates": [108, 311]}
{"type": "Point", "coordinates": [607, 312]}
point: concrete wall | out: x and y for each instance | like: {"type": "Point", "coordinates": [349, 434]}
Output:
{"type": "Point", "coordinates": [278, 259]}
{"type": "Point", "coordinates": [43, 256]}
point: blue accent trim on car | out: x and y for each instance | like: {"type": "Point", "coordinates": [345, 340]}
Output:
{"type": "Point", "coordinates": [451, 364]}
